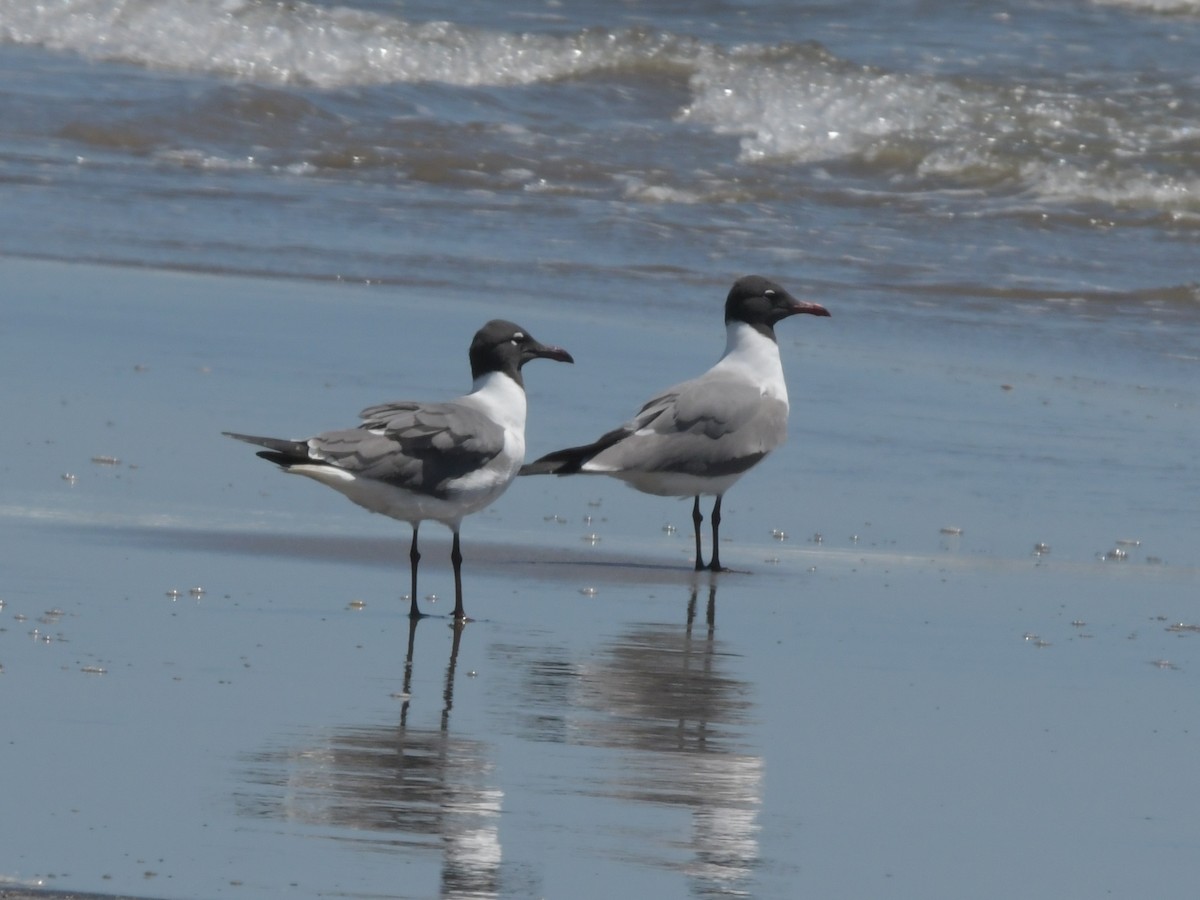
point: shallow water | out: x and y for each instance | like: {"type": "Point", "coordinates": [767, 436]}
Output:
{"type": "Point", "coordinates": [822, 734]}
{"type": "Point", "coordinates": [889, 710]}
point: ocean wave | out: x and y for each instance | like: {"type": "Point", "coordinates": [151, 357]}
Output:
{"type": "Point", "coordinates": [786, 105]}
{"type": "Point", "coordinates": [300, 43]}
{"type": "Point", "coordinates": [1177, 198]}
{"type": "Point", "coordinates": [1191, 7]}
{"type": "Point", "coordinates": [804, 104]}
{"type": "Point", "coordinates": [920, 132]}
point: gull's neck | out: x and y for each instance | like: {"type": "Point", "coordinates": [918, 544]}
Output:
{"type": "Point", "coordinates": [501, 398]}
{"type": "Point", "coordinates": [753, 355]}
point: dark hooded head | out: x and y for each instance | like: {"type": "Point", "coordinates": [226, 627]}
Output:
{"type": "Point", "coordinates": [501, 346]}
{"type": "Point", "coordinates": [760, 303]}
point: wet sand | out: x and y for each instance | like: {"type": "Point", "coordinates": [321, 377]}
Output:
{"type": "Point", "coordinates": [210, 687]}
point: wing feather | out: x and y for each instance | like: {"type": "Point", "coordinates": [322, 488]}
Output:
{"type": "Point", "coordinates": [701, 427]}
{"type": "Point", "coordinates": [423, 447]}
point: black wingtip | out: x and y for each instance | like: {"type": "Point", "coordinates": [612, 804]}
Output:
{"type": "Point", "coordinates": [540, 467]}
{"type": "Point", "coordinates": [561, 462]}
{"type": "Point", "coordinates": [281, 452]}
{"type": "Point", "coordinates": [280, 459]}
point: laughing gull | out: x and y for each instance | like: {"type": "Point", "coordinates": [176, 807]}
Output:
{"type": "Point", "coordinates": [440, 461]}
{"type": "Point", "coordinates": [699, 437]}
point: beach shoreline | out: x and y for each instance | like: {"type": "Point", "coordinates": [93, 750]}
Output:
{"type": "Point", "coordinates": [220, 627]}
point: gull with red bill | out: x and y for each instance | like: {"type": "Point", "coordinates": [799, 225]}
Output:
{"type": "Point", "coordinates": [699, 437]}
{"type": "Point", "coordinates": [441, 461]}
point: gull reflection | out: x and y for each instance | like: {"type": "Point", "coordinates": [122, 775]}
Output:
{"type": "Point", "coordinates": [393, 787]}
{"type": "Point", "coordinates": [662, 698]}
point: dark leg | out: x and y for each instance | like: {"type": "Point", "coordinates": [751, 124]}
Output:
{"type": "Point", "coordinates": [456, 559]}
{"type": "Point", "coordinates": [715, 565]}
{"type": "Point", "coordinates": [697, 518]}
{"type": "Point", "coordinates": [413, 558]}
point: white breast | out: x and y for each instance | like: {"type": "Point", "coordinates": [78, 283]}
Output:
{"type": "Point", "coordinates": [754, 357]}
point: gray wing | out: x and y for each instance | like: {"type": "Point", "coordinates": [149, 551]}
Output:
{"type": "Point", "coordinates": [709, 426]}
{"type": "Point", "coordinates": [419, 446]}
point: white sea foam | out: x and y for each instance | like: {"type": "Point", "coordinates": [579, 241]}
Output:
{"type": "Point", "coordinates": [812, 107]}
{"type": "Point", "coordinates": [1156, 6]}
{"type": "Point", "coordinates": [1131, 189]}
{"type": "Point", "coordinates": [301, 43]}
{"type": "Point", "coordinates": [194, 159]}
{"type": "Point", "coordinates": [805, 106]}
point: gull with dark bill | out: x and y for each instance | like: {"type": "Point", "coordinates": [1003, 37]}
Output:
{"type": "Point", "coordinates": [441, 461]}
{"type": "Point", "coordinates": [699, 437]}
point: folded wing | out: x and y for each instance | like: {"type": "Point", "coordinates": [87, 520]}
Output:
{"type": "Point", "coordinates": [703, 427]}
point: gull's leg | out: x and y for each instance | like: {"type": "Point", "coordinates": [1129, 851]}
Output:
{"type": "Point", "coordinates": [697, 518]}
